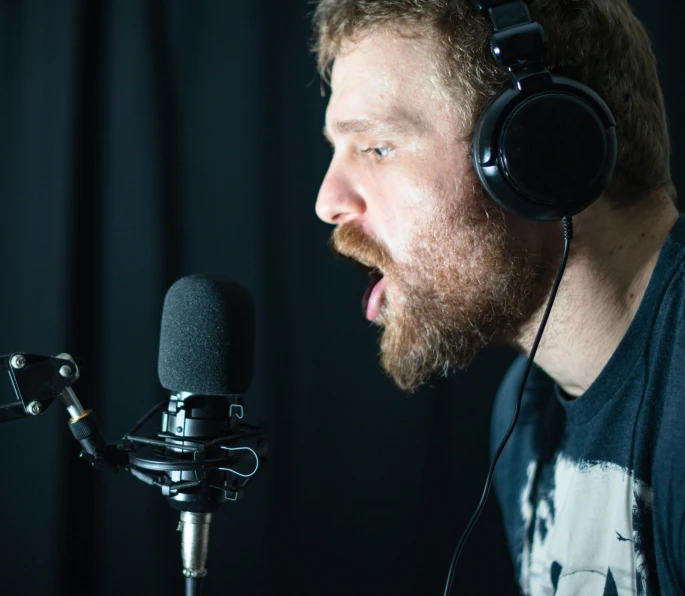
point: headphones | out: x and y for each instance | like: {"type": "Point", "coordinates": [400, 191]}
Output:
{"type": "Point", "coordinates": [545, 146]}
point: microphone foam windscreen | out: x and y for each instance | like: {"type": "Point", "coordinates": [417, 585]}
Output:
{"type": "Point", "coordinates": [206, 343]}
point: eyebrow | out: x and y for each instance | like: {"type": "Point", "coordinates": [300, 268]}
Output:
{"type": "Point", "coordinates": [365, 125]}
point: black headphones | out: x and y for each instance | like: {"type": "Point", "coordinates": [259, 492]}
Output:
{"type": "Point", "coordinates": [545, 146]}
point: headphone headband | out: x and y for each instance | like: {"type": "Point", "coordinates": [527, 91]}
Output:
{"type": "Point", "coordinates": [483, 6]}
{"type": "Point", "coordinates": [518, 42]}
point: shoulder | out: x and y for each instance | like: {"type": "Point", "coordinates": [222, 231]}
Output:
{"type": "Point", "coordinates": [668, 476]}
{"type": "Point", "coordinates": [664, 407]}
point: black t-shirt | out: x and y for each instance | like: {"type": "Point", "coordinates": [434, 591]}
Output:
{"type": "Point", "coordinates": [592, 490]}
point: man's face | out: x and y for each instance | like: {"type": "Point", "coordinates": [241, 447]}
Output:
{"type": "Point", "coordinates": [447, 279]}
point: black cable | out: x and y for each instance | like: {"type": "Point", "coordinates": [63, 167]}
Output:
{"type": "Point", "coordinates": [194, 586]}
{"type": "Point", "coordinates": [568, 236]}
{"type": "Point", "coordinates": [154, 410]}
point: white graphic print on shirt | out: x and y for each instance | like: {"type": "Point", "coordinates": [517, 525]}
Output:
{"type": "Point", "coordinates": [585, 531]}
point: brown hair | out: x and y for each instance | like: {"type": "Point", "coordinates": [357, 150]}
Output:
{"type": "Point", "coordinates": [598, 42]}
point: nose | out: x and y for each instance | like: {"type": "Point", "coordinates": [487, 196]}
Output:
{"type": "Point", "coordinates": [338, 201]}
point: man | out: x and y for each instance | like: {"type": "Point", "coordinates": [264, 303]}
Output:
{"type": "Point", "coordinates": [592, 482]}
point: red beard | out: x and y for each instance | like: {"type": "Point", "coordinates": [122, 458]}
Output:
{"type": "Point", "coordinates": [467, 285]}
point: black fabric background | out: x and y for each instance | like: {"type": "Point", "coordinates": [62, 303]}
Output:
{"type": "Point", "coordinates": [142, 140]}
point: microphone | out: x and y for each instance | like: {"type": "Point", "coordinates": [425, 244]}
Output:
{"type": "Point", "coordinates": [206, 355]}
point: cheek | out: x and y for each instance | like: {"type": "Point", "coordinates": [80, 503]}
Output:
{"type": "Point", "coordinates": [419, 195]}
{"type": "Point", "coordinates": [413, 204]}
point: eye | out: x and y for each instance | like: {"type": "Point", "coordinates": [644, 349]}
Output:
{"type": "Point", "coordinates": [379, 152]}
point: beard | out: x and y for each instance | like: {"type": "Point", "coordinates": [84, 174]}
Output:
{"type": "Point", "coordinates": [465, 284]}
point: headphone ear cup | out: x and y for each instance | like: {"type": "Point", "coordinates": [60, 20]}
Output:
{"type": "Point", "coordinates": [547, 154]}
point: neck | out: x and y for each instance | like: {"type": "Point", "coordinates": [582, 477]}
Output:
{"type": "Point", "coordinates": [611, 260]}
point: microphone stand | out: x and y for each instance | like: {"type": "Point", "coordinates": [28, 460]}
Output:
{"type": "Point", "coordinates": [193, 459]}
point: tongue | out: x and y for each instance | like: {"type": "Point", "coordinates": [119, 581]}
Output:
{"type": "Point", "coordinates": [372, 300]}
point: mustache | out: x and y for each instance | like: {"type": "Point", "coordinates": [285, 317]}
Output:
{"type": "Point", "coordinates": [350, 243]}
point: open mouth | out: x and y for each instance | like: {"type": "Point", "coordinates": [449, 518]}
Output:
{"type": "Point", "coordinates": [372, 301]}
{"type": "Point", "coordinates": [373, 297]}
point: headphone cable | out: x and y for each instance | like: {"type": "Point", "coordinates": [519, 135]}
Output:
{"type": "Point", "coordinates": [568, 236]}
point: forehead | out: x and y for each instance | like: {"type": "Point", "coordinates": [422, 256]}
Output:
{"type": "Point", "coordinates": [381, 74]}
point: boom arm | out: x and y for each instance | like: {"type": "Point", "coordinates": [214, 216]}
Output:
{"type": "Point", "coordinates": [37, 382]}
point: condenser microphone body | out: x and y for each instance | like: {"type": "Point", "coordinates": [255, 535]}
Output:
{"type": "Point", "coordinates": [206, 353]}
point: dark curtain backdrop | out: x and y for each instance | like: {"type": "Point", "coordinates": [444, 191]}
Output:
{"type": "Point", "coordinates": [142, 140]}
